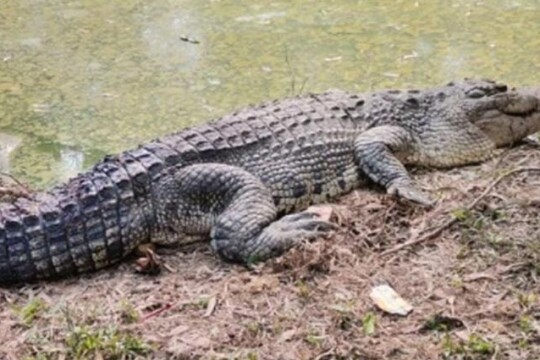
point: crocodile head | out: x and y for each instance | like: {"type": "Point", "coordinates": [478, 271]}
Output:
{"type": "Point", "coordinates": [473, 118]}
{"type": "Point", "coordinates": [515, 114]}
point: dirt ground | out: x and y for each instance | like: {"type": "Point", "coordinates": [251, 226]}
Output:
{"type": "Point", "coordinates": [474, 285]}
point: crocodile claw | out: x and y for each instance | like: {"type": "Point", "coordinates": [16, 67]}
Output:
{"type": "Point", "coordinates": [305, 223]}
{"type": "Point", "coordinates": [409, 192]}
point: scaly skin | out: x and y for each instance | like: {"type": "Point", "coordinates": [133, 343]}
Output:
{"type": "Point", "coordinates": [239, 180]}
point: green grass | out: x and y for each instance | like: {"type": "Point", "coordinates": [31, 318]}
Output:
{"type": "Point", "coordinates": [31, 311]}
{"type": "Point", "coordinates": [84, 342]}
{"type": "Point", "coordinates": [475, 347]}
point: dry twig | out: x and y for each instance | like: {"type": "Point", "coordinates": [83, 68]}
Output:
{"type": "Point", "coordinates": [156, 312]}
{"type": "Point", "coordinates": [20, 190]}
{"type": "Point", "coordinates": [439, 229]}
{"type": "Point", "coordinates": [14, 179]}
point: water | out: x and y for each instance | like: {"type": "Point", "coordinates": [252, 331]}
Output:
{"type": "Point", "coordinates": [80, 79]}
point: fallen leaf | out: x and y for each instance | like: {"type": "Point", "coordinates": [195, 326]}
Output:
{"type": "Point", "coordinates": [262, 283]}
{"type": "Point", "coordinates": [148, 262]}
{"type": "Point", "coordinates": [388, 300]}
{"type": "Point", "coordinates": [369, 323]}
{"type": "Point", "coordinates": [211, 306]}
{"type": "Point", "coordinates": [324, 212]}
{"type": "Point", "coordinates": [287, 335]}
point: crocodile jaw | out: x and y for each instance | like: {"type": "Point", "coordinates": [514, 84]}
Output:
{"type": "Point", "coordinates": [506, 128]}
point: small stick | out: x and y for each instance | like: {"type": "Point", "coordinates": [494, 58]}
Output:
{"type": "Point", "coordinates": [439, 229]}
{"type": "Point", "coordinates": [17, 181]}
{"type": "Point", "coordinates": [156, 312]}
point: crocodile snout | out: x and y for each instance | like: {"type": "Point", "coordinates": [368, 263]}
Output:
{"type": "Point", "coordinates": [532, 93]}
{"type": "Point", "coordinates": [516, 120]}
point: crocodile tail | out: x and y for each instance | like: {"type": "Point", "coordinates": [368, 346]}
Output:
{"type": "Point", "coordinates": [75, 228]}
{"type": "Point", "coordinates": [92, 221]}
{"type": "Point", "coordinates": [34, 241]}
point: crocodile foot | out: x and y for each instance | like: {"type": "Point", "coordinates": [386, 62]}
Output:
{"type": "Point", "coordinates": [287, 232]}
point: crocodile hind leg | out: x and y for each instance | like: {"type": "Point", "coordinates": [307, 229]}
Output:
{"type": "Point", "coordinates": [378, 151]}
{"type": "Point", "coordinates": [233, 208]}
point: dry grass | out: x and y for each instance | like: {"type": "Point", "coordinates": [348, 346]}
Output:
{"type": "Point", "coordinates": [474, 287]}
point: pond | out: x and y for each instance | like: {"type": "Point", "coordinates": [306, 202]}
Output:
{"type": "Point", "coordinates": [81, 79]}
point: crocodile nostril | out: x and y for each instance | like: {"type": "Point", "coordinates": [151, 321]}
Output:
{"type": "Point", "coordinates": [501, 87]}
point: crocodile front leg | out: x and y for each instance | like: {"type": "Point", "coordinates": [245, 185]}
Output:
{"type": "Point", "coordinates": [233, 208]}
{"type": "Point", "coordinates": [378, 152]}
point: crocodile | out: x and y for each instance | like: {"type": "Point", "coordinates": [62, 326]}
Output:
{"type": "Point", "coordinates": [243, 181]}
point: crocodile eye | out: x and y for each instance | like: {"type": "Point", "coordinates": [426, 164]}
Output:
{"type": "Point", "coordinates": [476, 93]}
{"type": "Point", "coordinates": [413, 102]}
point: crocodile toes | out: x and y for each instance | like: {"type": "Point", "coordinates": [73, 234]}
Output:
{"type": "Point", "coordinates": [285, 233]}
{"type": "Point", "coordinates": [409, 192]}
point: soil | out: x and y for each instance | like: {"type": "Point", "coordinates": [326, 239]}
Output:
{"type": "Point", "coordinates": [474, 285]}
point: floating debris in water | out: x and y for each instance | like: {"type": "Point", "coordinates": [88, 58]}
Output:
{"type": "Point", "coordinates": [8, 143]}
{"type": "Point", "coordinates": [41, 108]}
{"type": "Point", "coordinates": [335, 58]}
{"type": "Point", "coordinates": [189, 40]}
